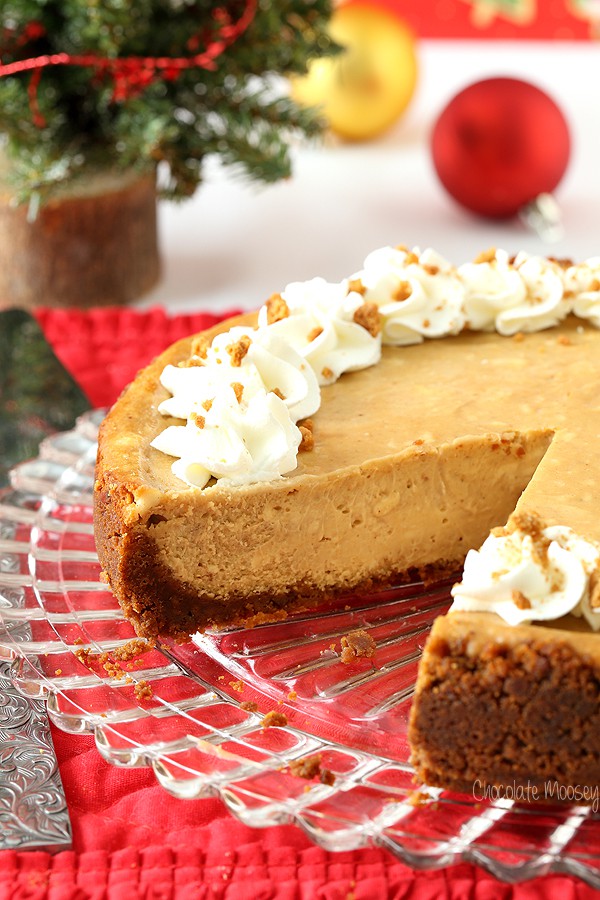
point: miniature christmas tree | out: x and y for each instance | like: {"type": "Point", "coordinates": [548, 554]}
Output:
{"type": "Point", "coordinates": [88, 85]}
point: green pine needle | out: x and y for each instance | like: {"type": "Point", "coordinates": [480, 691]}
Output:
{"type": "Point", "coordinates": [239, 112]}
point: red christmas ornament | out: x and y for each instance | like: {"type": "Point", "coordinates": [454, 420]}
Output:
{"type": "Point", "coordinates": [500, 144]}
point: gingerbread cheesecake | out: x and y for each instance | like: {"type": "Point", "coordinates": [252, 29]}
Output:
{"type": "Point", "coordinates": [208, 509]}
{"type": "Point", "coordinates": [375, 431]}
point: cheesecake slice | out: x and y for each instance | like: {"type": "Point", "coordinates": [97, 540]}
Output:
{"type": "Point", "coordinates": [507, 706]}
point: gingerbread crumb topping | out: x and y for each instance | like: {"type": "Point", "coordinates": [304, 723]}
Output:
{"type": "Point", "coordinates": [198, 420]}
{"type": "Point", "coordinates": [308, 439]}
{"type": "Point", "coordinates": [314, 334]}
{"type": "Point", "coordinates": [410, 256]}
{"type": "Point", "coordinates": [207, 405]}
{"type": "Point", "coordinates": [357, 644]}
{"type": "Point", "coordinates": [132, 649]}
{"type": "Point", "coordinates": [416, 799]}
{"type": "Point", "coordinates": [238, 390]}
{"type": "Point", "coordinates": [277, 309]}
{"type": "Point", "coordinates": [143, 690]}
{"type": "Point", "coordinates": [249, 706]}
{"type": "Point", "coordinates": [520, 600]}
{"type": "Point", "coordinates": [310, 767]}
{"type": "Point", "coordinates": [563, 262]}
{"type": "Point", "coordinates": [238, 350]}
{"type": "Point", "coordinates": [355, 286]}
{"type": "Point", "coordinates": [127, 652]}
{"type": "Point", "coordinates": [274, 719]}
{"type": "Point", "coordinates": [402, 292]}
{"type": "Point", "coordinates": [595, 589]}
{"type": "Point", "coordinates": [486, 256]}
{"type": "Point", "coordinates": [200, 346]}
{"type": "Point", "coordinates": [83, 654]}
{"type": "Point", "coordinates": [531, 524]}
{"type": "Point", "coordinates": [431, 270]}
{"type": "Point", "coordinates": [278, 393]}
{"type": "Point", "coordinates": [326, 372]}
{"type": "Point", "coordinates": [368, 316]}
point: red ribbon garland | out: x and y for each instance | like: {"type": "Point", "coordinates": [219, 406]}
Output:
{"type": "Point", "coordinates": [131, 74]}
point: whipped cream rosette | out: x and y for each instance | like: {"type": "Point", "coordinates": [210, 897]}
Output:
{"type": "Point", "coordinates": [531, 574]}
{"type": "Point", "coordinates": [241, 402]}
{"type": "Point", "coordinates": [419, 295]}
{"type": "Point", "coordinates": [327, 324]}
{"type": "Point", "coordinates": [582, 284]}
{"type": "Point", "coordinates": [241, 441]}
{"type": "Point", "coordinates": [526, 294]}
{"type": "Point", "coordinates": [492, 286]}
{"type": "Point", "coordinates": [545, 303]}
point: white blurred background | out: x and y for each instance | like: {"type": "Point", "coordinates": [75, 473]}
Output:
{"type": "Point", "coordinates": [235, 243]}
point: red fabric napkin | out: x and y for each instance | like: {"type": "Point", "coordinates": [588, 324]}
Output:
{"type": "Point", "coordinates": [132, 840]}
{"type": "Point", "coordinates": [104, 348]}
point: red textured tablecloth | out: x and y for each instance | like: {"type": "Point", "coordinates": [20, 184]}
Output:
{"type": "Point", "coordinates": [133, 841]}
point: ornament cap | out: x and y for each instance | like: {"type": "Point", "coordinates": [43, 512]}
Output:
{"type": "Point", "coordinates": [544, 216]}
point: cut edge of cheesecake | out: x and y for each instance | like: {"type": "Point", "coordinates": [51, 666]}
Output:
{"type": "Point", "coordinates": [169, 583]}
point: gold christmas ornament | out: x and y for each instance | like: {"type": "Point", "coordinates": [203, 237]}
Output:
{"type": "Point", "coordinates": [366, 88]}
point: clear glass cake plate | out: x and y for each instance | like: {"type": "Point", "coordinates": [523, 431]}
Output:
{"type": "Point", "coordinates": [194, 712]}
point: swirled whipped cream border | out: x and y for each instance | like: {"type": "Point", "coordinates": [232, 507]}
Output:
{"type": "Point", "coordinates": [247, 398]}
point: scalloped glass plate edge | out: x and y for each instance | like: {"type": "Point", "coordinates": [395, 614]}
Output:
{"type": "Point", "coordinates": [178, 710]}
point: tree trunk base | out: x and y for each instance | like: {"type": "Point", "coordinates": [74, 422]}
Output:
{"type": "Point", "coordinates": [97, 247]}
